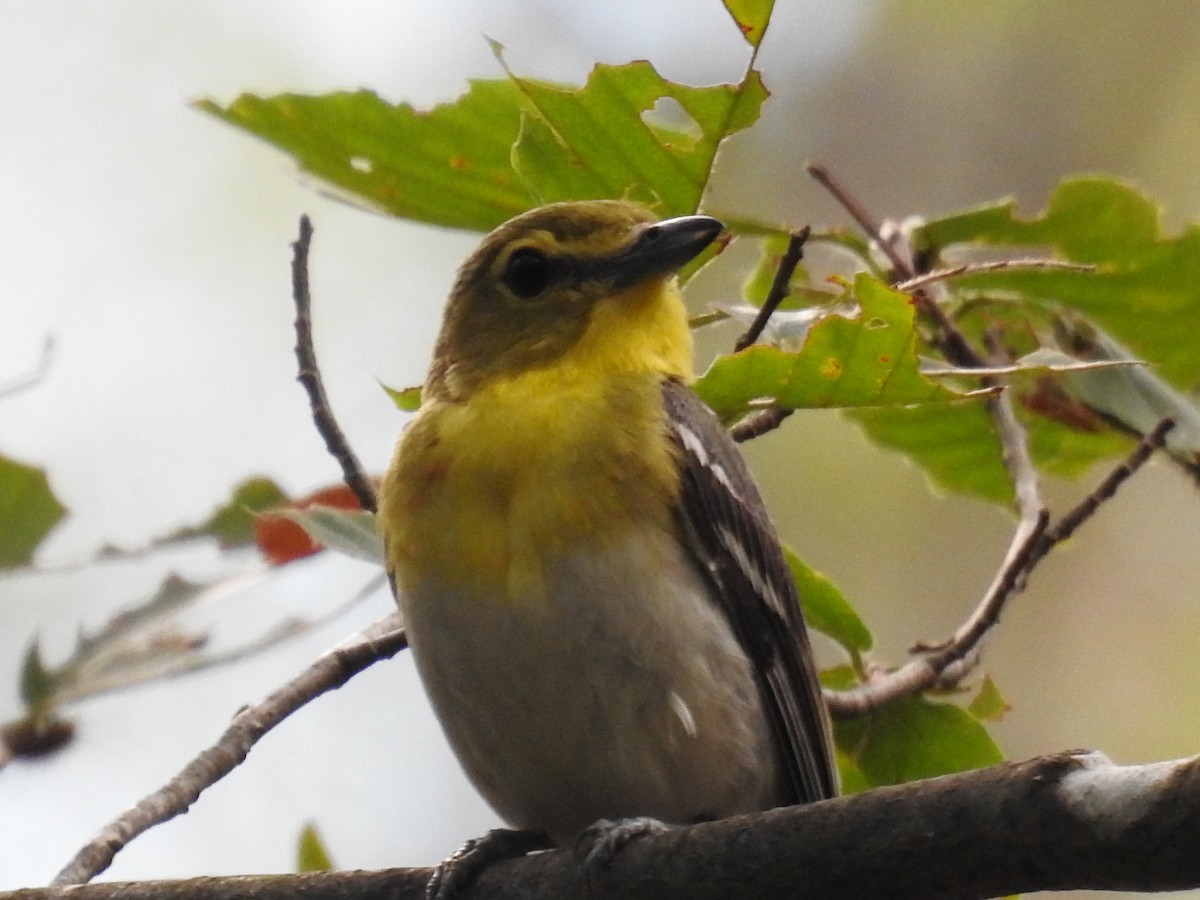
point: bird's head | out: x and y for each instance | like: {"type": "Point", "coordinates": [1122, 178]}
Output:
{"type": "Point", "coordinates": [588, 283]}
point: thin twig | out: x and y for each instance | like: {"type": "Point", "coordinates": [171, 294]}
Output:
{"type": "Point", "coordinates": [1014, 446]}
{"type": "Point", "coordinates": [309, 376]}
{"type": "Point", "coordinates": [1104, 491]}
{"type": "Point", "coordinates": [870, 226]}
{"type": "Point", "coordinates": [966, 269]}
{"type": "Point", "coordinates": [33, 376]}
{"type": "Point", "coordinates": [779, 288]}
{"type": "Point", "coordinates": [759, 423]}
{"type": "Point", "coordinates": [956, 348]}
{"type": "Point", "coordinates": [331, 670]}
{"type": "Point", "coordinates": [948, 663]}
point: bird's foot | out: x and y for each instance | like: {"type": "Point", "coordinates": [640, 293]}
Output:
{"type": "Point", "coordinates": [598, 844]}
{"type": "Point", "coordinates": [463, 866]}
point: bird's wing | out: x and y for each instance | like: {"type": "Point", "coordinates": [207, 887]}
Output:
{"type": "Point", "coordinates": [732, 539]}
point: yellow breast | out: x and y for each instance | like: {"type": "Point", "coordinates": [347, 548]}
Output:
{"type": "Point", "coordinates": [480, 493]}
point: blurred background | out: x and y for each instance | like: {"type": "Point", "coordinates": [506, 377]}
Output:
{"type": "Point", "coordinates": [151, 243]}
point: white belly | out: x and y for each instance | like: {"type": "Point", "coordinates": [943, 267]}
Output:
{"type": "Point", "coordinates": [632, 698]}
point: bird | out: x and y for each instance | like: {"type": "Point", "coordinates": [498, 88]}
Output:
{"type": "Point", "coordinates": [595, 597]}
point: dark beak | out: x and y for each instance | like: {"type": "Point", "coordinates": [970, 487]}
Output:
{"type": "Point", "coordinates": [662, 248]}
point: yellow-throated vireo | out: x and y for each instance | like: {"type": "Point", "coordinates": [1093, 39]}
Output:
{"type": "Point", "coordinates": [596, 600]}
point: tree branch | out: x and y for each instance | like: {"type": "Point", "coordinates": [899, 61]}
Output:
{"type": "Point", "coordinates": [780, 286]}
{"type": "Point", "coordinates": [948, 663]}
{"type": "Point", "coordinates": [331, 670]}
{"type": "Point", "coordinates": [309, 376]}
{"type": "Point", "coordinates": [1069, 821]}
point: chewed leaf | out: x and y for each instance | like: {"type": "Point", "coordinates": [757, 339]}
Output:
{"type": "Point", "coordinates": [508, 144]}
{"type": "Point", "coordinates": [1145, 291]}
{"type": "Point", "coordinates": [865, 360]}
{"type": "Point", "coordinates": [449, 165]}
{"type": "Point", "coordinates": [600, 140]}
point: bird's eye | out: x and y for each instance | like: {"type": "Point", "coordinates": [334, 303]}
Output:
{"type": "Point", "coordinates": [528, 272]}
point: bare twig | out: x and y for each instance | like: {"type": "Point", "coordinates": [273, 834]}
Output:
{"type": "Point", "coordinates": [1086, 508]}
{"type": "Point", "coordinates": [779, 288]}
{"type": "Point", "coordinates": [920, 281]}
{"type": "Point", "coordinates": [948, 339]}
{"type": "Point", "coordinates": [35, 375]}
{"type": "Point", "coordinates": [868, 223]}
{"type": "Point", "coordinates": [1014, 445]}
{"type": "Point", "coordinates": [331, 670]}
{"type": "Point", "coordinates": [948, 663]}
{"type": "Point", "coordinates": [310, 376]}
{"type": "Point", "coordinates": [759, 423]}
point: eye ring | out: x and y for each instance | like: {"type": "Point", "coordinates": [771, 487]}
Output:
{"type": "Point", "coordinates": [528, 272]}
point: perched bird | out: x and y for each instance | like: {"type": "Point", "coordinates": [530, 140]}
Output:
{"type": "Point", "coordinates": [594, 595]}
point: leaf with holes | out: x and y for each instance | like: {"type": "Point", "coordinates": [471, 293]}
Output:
{"type": "Point", "coordinates": [602, 140]}
{"type": "Point", "coordinates": [449, 165]}
{"type": "Point", "coordinates": [866, 360]}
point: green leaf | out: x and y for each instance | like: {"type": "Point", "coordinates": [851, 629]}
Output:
{"type": "Point", "coordinates": [28, 512]}
{"type": "Point", "coordinates": [826, 610]}
{"type": "Point", "coordinates": [989, 704]}
{"type": "Point", "coordinates": [233, 523]}
{"type": "Point", "coordinates": [757, 285]}
{"type": "Point", "coordinates": [311, 855]}
{"type": "Point", "coordinates": [509, 144]}
{"type": "Point", "coordinates": [751, 17]}
{"type": "Point", "coordinates": [38, 684]}
{"type": "Point", "coordinates": [600, 140]}
{"type": "Point", "coordinates": [406, 399]}
{"type": "Point", "coordinates": [956, 444]}
{"type": "Point", "coordinates": [1146, 290]}
{"type": "Point", "coordinates": [1133, 395]}
{"type": "Point", "coordinates": [349, 531]}
{"type": "Point", "coordinates": [915, 738]}
{"type": "Point", "coordinates": [868, 360]}
{"type": "Point", "coordinates": [450, 165]}
{"type": "Point", "coordinates": [1065, 450]}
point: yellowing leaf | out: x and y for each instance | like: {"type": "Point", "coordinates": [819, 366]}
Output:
{"type": "Point", "coordinates": [311, 855]}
